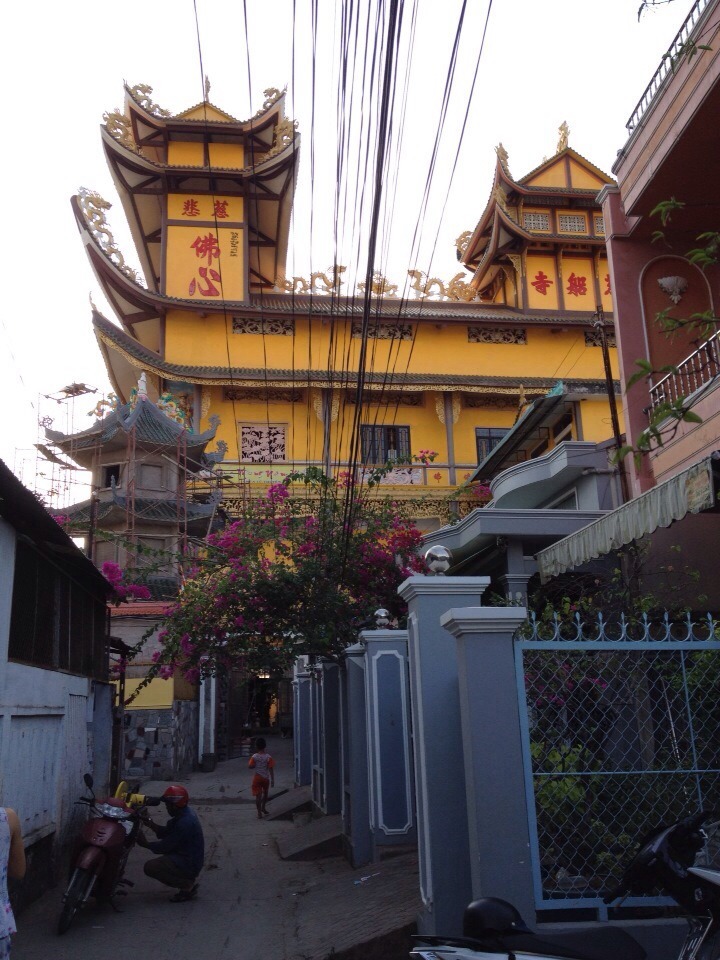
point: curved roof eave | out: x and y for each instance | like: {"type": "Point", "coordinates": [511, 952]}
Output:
{"type": "Point", "coordinates": [254, 124]}
{"type": "Point", "coordinates": [500, 218]}
{"type": "Point", "coordinates": [485, 217]}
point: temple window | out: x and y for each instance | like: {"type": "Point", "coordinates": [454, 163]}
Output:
{"type": "Point", "coordinates": [110, 472]}
{"type": "Point", "coordinates": [152, 553]}
{"type": "Point", "coordinates": [385, 444]}
{"type": "Point", "coordinates": [150, 476]}
{"type": "Point", "coordinates": [105, 551]}
{"type": "Point", "coordinates": [262, 443]}
{"type": "Point", "coordinates": [572, 223]}
{"type": "Point", "coordinates": [551, 436]}
{"type": "Point", "coordinates": [486, 439]}
{"type": "Point", "coordinates": [599, 225]}
{"type": "Point", "coordinates": [536, 221]}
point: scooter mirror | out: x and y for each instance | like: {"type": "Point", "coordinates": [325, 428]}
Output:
{"type": "Point", "coordinates": [88, 781]}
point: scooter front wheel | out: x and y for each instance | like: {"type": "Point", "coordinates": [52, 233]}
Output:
{"type": "Point", "coordinates": [77, 893]}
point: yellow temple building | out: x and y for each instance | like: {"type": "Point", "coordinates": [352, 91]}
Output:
{"type": "Point", "coordinates": [442, 381]}
{"type": "Point", "coordinates": [215, 322]}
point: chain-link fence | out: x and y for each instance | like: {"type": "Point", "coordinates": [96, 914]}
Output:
{"type": "Point", "coordinates": [623, 724]}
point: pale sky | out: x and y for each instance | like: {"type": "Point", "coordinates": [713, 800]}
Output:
{"type": "Point", "coordinates": [63, 65]}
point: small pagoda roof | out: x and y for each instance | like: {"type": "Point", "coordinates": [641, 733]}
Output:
{"type": "Point", "coordinates": [152, 123]}
{"type": "Point", "coordinates": [152, 428]}
{"type": "Point", "coordinates": [487, 240]}
{"type": "Point", "coordinates": [164, 512]}
{"type": "Point", "coordinates": [136, 148]}
{"type": "Point", "coordinates": [135, 355]}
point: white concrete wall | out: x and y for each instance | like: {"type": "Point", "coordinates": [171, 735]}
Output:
{"type": "Point", "coordinates": [44, 716]}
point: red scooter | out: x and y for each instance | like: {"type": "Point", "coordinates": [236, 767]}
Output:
{"type": "Point", "coordinates": [102, 849]}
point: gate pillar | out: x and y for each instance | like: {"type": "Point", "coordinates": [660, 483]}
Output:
{"type": "Point", "coordinates": [302, 724]}
{"type": "Point", "coordinates": [492, 745]}
{"type": "Point", "coordinates": [443, 839]}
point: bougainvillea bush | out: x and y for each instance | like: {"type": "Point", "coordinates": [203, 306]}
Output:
{"type": "Point", "coordinates": [123, 591]}
{"type": "Point", "coordinates": [294, 575]}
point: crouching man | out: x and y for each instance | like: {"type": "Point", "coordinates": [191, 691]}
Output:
{"type": "Point", "coordinates": [181, 846]}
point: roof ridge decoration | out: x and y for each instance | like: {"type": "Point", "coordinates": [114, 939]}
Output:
{"type": "Point", "coordinates": [319, 282]}
{"type": "Point", "coordinates": [330, 281]}
{"type": "Point", "coordinates": [284, 136]}
{"type": "Point", "coordinates": [140, 93]}
{"type": "Point", "coordinates": [462, 241]}
{"type": "Point", "coordinates": [93, 208]}
{"type": "Point", "coordinates": [503, 158]}
{"type": "Point", "coordinates": [119, 127]}
{"type": "Point", "coordinates": [272, 95]}
{"type": "Point", "coordinates": [563, 141]}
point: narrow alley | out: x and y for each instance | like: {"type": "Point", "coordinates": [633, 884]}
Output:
{"type": "Point", "coordinates": [251, 902]}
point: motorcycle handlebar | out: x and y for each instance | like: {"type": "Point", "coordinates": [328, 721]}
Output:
{"type": "Point", "coordinates": [689, 825]}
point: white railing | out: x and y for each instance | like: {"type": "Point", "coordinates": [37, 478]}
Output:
{"type": "Point", "coordinates": [697, 370]}
{"type": "Point", "coordinates": [667, 64]}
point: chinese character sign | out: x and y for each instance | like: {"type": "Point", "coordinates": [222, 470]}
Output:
{"type": "Point", "coordinates": [542, 282]}
{"type": "Point", "coordinates": [205, 248]}
{"type": "Point", "coordinates": [581, 282]}
{"type": "Point", "coordinates": [576, 286]}
{"type": "Point", "coordinates": [205, 208]}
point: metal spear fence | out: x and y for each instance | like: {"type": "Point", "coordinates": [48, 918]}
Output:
{"type": "Point", "coordinates": [621, 734]}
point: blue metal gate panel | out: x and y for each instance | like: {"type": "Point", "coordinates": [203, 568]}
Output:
{"type": "Point", "coordinates": [620, 733]}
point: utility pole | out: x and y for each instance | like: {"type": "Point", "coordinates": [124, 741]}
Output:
{"type": "Point", "coordinates": [599, 325]}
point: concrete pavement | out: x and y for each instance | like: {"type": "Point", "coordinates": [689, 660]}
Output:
{"type": "Point", "coordinates": [251, 903]}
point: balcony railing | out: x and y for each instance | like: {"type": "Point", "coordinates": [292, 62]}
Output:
{"type": "Point", "coordinates": [667, 63]}
{"type": "Point", "coordinates": [697, 370]}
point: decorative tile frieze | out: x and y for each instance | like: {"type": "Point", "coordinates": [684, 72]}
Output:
{"type": "Point", "coordinates": [261, 395]}
{"type": "Point", "coordinates": [478, 334]}
{"type": "Point", "coordinates": [262, 443]}
{"type": "Point", "coordinates": [282, 326]}
{"type": "Point", "coordinates": [483, 401]}
{"type": "Point", "coordinates": [593, 339]}
{"type": "Point", "coordinates": [384, 331]}
{"type": "Point", "coordinates": [388, 398]}
{"type": "Point", "coordinates": [399, 476]}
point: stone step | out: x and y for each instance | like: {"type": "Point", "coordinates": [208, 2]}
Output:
{"type": "Point", "coordinates": [321, 837]}
{"type": "Point", "coordinates": [283, 805]}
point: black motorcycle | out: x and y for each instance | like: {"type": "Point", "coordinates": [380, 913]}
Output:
{"type": "Point", "coordinates": [665, 861]}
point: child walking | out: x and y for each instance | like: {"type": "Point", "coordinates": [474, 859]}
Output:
{"type": "Point", "coordinates": [262, 763]}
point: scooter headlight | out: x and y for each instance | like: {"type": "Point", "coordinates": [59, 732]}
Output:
{"type": "Point", "coordinates": [115, 813]}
